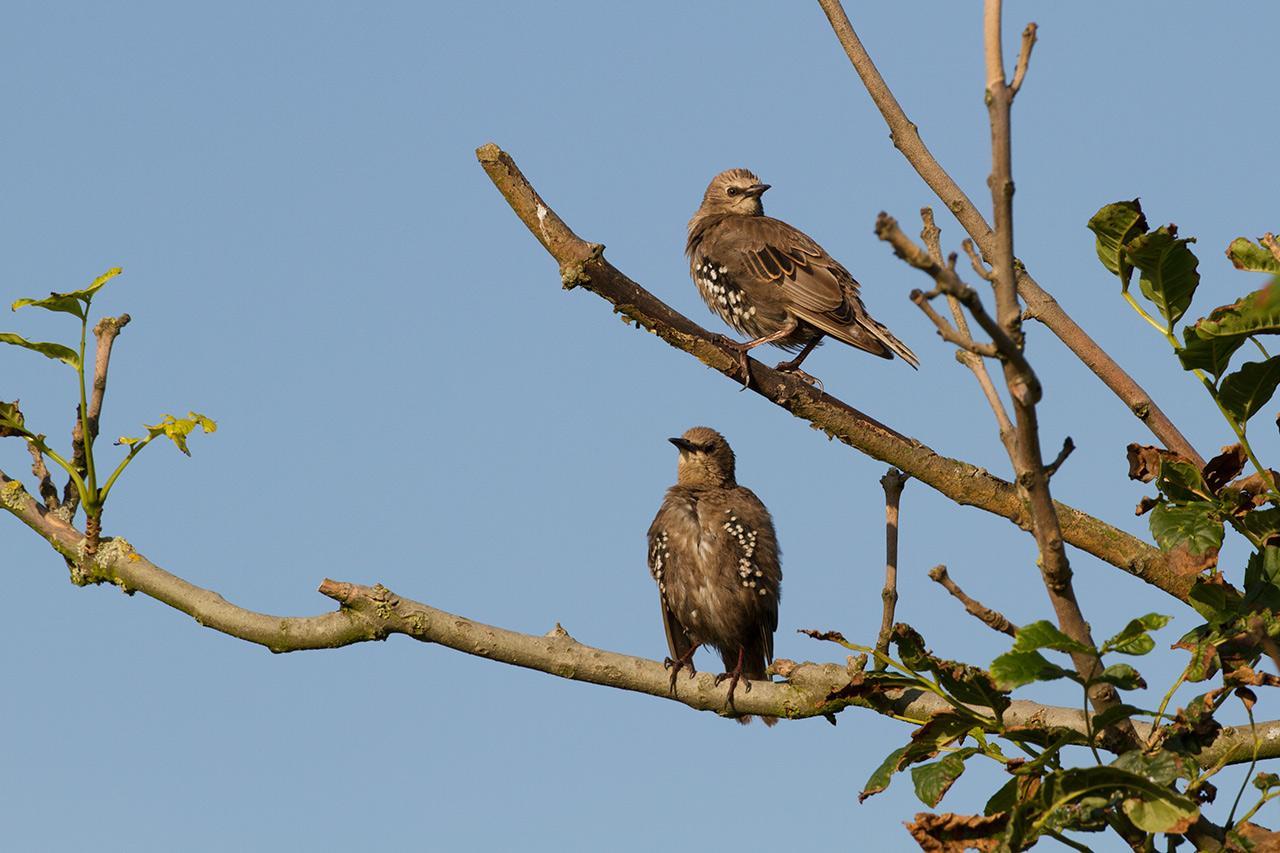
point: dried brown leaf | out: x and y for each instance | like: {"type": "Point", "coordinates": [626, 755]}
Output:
{"type": "Point", "coordinates": [1145, 506]}
{"type": "Point", "coordinates": [954, 833]}
{"type": "Point", "coordinates": [1144, 460]}
{"type": "Point", "coordinates": [1225, 467]}
{"type": "Point", "coordinates": [1182, 561]}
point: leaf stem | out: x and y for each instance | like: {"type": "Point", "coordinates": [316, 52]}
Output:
{"type": "Point", "coordinates": [89, 488]}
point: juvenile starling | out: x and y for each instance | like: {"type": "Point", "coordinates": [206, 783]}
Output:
{"type": "Point", "coordinates": [714, 555]}
{"type": "Point", "coordinates": [771, 281]}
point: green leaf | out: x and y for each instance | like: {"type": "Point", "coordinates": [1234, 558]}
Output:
{"type": "Point", "coordinates": [932, 781]}
{"type": "Point", "coordinates": [1215, 601]}
{"type": "Point", "coordinates": [11, 420]}
{"type": "Point", "coordinates": [1116, 713]}
{"type": "Point", "coordinates": [1115, 225]}
{"type": "Point", "coordinates": [175, 429]}
{"type": "Point", "coordinates": [1191, 526]}
{"type": "Point", "coordinates": [1167, 268]}
{"type": "Point", "coordinates": [1134, 639]}
{"type": "Point", "coordinates": [1262, 578]}
{"type": "Point", "coordinates": [937, 732]}
{"type": "Point", "coordinates": [1256, 314]}
{"type": "Point", "coordinates": [1166, 813]}
{"type": "Point", "coordinates": [1182, 482]}
{"type": "Point", "coordinates": [57, 351]}
{"type": "Point", "coordinates": [1004, 799]}
{"type": "Point", "coordinates": [1160, 768]}
{"type": "Point", "coordinates": [1245, 392]}
{"type": "Point", "coordinates": [1122, 676]}
{"type": "Point", "coordinates": [1212, 354]}
{"type": "Point", "coordinates": [1014, 669]}
{"type": "Point", "coordinates": [967, 683]}
{"type": "Point", "coordinates": [1151, 806]}
{"type": "Point", "coordinates": [882, 775]}
{"type": "Point", "coordinates": [1262, 523]}
{"type": "Point", "coordinates": [76, 302]}
{"type": "Point", "coordinates": [1043, 635]}
{"type": "Point", "coordinates": [1247, 255]}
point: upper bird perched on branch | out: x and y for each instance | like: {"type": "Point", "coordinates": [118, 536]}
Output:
{"type": "Point", "coordinates": [772, 281]}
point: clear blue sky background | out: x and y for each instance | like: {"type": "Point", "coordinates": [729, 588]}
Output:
{"type": "Point", "coordinates": [405, 395]}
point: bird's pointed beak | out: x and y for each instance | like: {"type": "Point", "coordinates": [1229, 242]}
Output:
{"type": "Point", "coordinates": [684, 445]}
{"type": "Point", "coordinates": [757, 190]}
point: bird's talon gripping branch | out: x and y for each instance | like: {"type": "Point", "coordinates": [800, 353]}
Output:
{"type": "Point", "coordinates": [685, 661]}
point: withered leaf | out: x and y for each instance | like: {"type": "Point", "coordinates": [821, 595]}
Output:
{"type": "Point", "coordinates": [954, 833]}
{"type": "Point", "coordinates": [1144, 460]}
{"type": "Point", "coordinates": [1225, 467]}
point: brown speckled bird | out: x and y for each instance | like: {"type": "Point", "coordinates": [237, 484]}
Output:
{"type": "Point", "coordinates": [772, 281]}
{"type": "Point", "coordinates": [714, 555]}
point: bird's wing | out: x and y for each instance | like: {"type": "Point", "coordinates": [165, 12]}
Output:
{"type": "Point", "coordinates": [660, 556]}
{"type": "Point", "coordinates": [817, 287]}
{"type": "Point", "coordinates": [757, 553]}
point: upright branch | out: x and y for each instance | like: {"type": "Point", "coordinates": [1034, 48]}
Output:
{"type": "Point", "coordinates": [105, 332]}
{"type": "Point", "coordinates": [1028, 461]}
{"type": "Point", "coordinates": [892, 482]}
{"type": "Point", "coordinates": [1040, 305]}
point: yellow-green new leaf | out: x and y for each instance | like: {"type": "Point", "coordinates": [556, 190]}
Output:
{"type": "Point", "coordinates": [50, 350]}
{"type": "Point", "coordinates": [175, 429]}
{"type": "Point", "coordinates": [76, 302]}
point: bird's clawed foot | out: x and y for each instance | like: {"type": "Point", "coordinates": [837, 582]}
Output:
{"type": "Point", "coordinates": [744, 369]}
{"type": "Point", "coordinates": [793, 368]}
{"type": "Point", "coordinates": [685, 661]}
{"type": "Point", "coordinates": [734, 677]}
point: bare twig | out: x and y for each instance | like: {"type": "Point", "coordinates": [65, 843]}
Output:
{"type": "Point", "coordinates": [1040, 305]}
{"type": "Point", "coordinates": [945, 329]}
{"type": "Point", "coordinates": [48, 491]}
{"type": "Point", "coordinates": [991, 618]}
{"type": "Point", "coordinates": [374, 613]}
{"type": "Point", "coordinates": [949, 282]}
{"type": "Point", "coordinates": [1052, 468]}
{"type": "Point", "coordinates": [105, 333]}
{"type": "Point", "coordinates": [979, 268]}
{"type": "Point", "coordinates": [583, 264]}
{"type": "Point", "coordinates": [892, 482]}
{"type": "Point", "coordinates": [1024, 58]}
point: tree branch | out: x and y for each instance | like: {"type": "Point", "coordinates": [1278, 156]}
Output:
{"type": "Point", "coordinates": [583, 264]}
{"type": "Point", "coordinates": [374, 613]}
{"type": "Point", "coordinates": [892, 483]}
{"type": "Point", "coordinates": [1040, 305]}
{"type": "Point", "coordinates": [105, 332]}
{"type": "Point", "coordinates": [993, 619]}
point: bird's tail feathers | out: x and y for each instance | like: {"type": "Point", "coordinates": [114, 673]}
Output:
{"type": "Point", "coordinates": [887, 338]}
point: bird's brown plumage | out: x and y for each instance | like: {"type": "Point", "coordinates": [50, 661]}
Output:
{"type": "Point", "coordinates": [715, 557]}
{"type": "Point", "coordinates": [771, 281]}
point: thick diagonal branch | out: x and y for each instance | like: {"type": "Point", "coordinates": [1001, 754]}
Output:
{"type": "Point", "coordinates": [1040, 305]}
{"type": "Point", "coordinates": [368, 613]}
{"type": "Point", "coordinates": [583, 264]}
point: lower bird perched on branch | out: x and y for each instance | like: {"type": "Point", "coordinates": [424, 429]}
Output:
{"type": "Point", "coordinates": [773, 282]}
{"type": "Point", "coordinates": [714, 555]}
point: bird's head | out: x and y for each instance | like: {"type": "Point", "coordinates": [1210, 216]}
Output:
{"type": "Point", "coordinates": [734, 191]}
{"type": "Point", "coordinates": [706, 459]}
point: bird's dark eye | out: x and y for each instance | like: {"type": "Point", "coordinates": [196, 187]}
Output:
{"type": "Point", "coordinates": [733, 191]}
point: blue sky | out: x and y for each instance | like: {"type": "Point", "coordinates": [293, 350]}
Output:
{"type": "Point", "coordinates": [405, 395]}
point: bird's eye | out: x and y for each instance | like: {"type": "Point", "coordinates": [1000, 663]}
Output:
{"type": "Point", "coordinates": [733, 191]}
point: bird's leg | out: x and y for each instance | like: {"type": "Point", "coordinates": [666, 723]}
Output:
{"type": "Point", "coordinates": [743, 348]}
{"type": "Point", "coordinates": [734, 677]}
{"type": "Point", "coordinates": [793, 366]}
{"type": "Point", "coordinates": [685, 661]}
